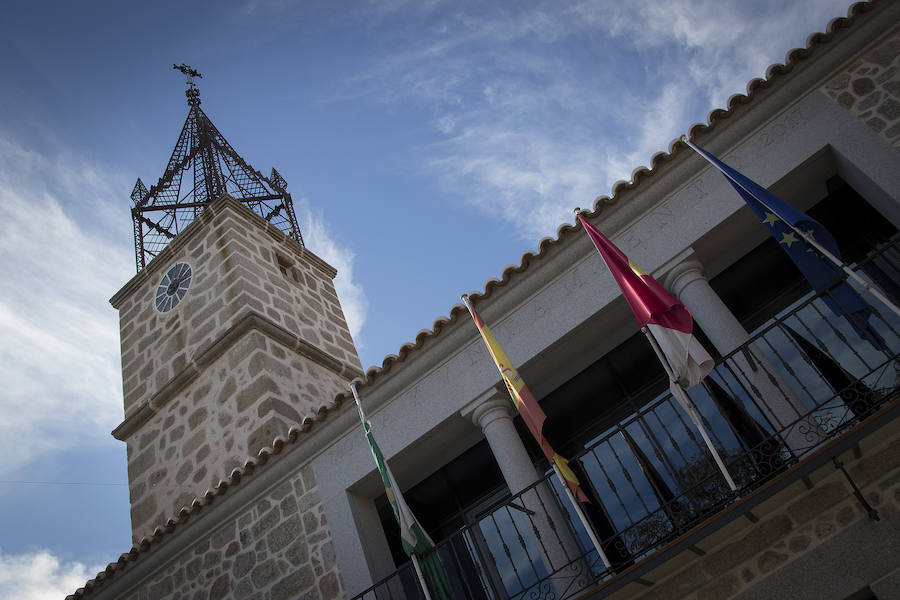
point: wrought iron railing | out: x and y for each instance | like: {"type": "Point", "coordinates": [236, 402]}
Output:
{"type": "Point", "coordinates": [805, 377]}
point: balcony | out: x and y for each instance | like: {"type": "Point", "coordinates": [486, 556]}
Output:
{"type": "Point", "coordinates": [807, 386]}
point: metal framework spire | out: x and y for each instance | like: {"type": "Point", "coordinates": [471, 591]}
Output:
{"type": "Point", "coordinates": [164, 210]}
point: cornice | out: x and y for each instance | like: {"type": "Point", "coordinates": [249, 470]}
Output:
{"type": "Point", "coordinates": [231, 336]}
{"type": "Point", "coordinates": [223, 204]}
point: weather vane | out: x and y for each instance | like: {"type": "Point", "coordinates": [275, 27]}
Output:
{"type": "Point", "coordinates": [192, 93]}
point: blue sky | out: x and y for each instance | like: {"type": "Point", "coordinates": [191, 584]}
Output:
{"type": "Point", "coordinates": [427, 145]}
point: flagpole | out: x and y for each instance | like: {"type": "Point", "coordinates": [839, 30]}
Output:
{"type": "Point", "coordinates": [806, 237]}
{"type": "Point", "coordinates": [575, 503]}
{"type": "Point", "coordinates": [584, 522]}
{"type": "Point", "coordinates": [688, 407]}
{"type": "Point", "coordinates": [583, 518]}
{"type": "Point", "coordinates": [415, 560]}
{"type": "Point", "coordinates": [359, 408]}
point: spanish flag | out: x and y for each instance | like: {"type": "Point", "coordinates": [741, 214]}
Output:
{"type": "Point", "coordinates": [528, 408]}
{"type": "Point", "coordinates": [655, 308]}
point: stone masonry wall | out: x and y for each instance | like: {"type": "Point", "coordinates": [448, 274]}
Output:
{"type": "Point", "coordinates": [278, 549]}
{"type": "Point", "coordinates": [254, 392]}
{"type": "Point", "coordinates": [211, 382]}
{"type": "Point", "coordinates": [802, 525]}
{"type": "Point", "coordinates": [870, 89]}
{"type": "Point", "coordinates": [237, 267]}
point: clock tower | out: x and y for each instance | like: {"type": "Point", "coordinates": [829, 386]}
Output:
{"type": "Point", "coordinates": [231, 331]}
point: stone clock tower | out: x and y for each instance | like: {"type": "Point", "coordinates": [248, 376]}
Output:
{"type": "Point", "coordinates": [231, 330]}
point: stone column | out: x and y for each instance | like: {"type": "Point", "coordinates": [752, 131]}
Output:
{"type": "Point", "coordinates": [494, 417]}
{"type": "Point", "coordinates": [761, 379]}
{"type": "Point", "coordinates": [493, 412]}
{"type": "Point", "coordinates": [688, 282]}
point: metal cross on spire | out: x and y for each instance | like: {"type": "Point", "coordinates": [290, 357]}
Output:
{"type": "Point", "coordinates": [163, 211]}
{"type": "Point", "coordinates": [192, 93]}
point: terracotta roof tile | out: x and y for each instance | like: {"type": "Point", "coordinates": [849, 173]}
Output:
{"type": "Point", "coordinates": [211, 495]}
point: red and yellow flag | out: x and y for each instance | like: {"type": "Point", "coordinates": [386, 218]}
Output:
{"type": "Point", "coordinates": [655, 308]}
{"type": "Point", "coordinates": [531, 411]}
{"type": "Point", "coordinates": [649, 301]}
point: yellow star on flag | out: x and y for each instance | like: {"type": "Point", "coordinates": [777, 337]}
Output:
{"type": "Point", "coordinates": [811, 234]}
{"type": "Point", "coordinates": [788, 239]}
{"type": "Point", "coordinates": [770, 219]}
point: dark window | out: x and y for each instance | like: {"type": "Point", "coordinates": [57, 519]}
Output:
{"type": "Point", "coordinates": [863, 594]}
{"type": "Point", "coordinates": [442, 502]}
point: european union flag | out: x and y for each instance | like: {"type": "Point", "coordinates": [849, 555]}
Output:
{"type": "Point", "coordinates": [823, 275]}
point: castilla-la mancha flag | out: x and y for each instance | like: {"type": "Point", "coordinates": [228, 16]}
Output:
{"type": "Point", "coordinates": [532, 413]}
{"type": "Point", "coordinates": [655, 308]}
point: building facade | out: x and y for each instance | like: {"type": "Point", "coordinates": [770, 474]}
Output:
{"type": "Point", "coordinates": [250, 476]}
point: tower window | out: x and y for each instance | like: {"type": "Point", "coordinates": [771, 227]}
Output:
{"type": "Point", "coordinates": [284, 264]}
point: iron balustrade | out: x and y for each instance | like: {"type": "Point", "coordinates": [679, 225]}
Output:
{"type": "Point", "coordinates": [805, 377]}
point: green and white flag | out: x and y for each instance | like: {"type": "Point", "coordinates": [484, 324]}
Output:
{"type": "Point", "coordinates": [416, 542]}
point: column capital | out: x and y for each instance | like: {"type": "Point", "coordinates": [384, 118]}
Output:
{"type": "Point", "coordinates": [684, 274]}
{"type": "Point", "coordinates": [492, 411]}
{"type": "Point", "coordinates": [487, 408]}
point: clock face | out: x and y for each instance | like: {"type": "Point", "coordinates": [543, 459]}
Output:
{"type": "Point", "coordinates": [173, 287]}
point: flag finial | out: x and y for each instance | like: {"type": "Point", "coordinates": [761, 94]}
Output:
{"type": "Point", "coordinates": [466, 302]}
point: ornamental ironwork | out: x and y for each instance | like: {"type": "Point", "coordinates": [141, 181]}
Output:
{"type": "Point", "coordinates": [168, 207]}
{"type": "Point", "coordinates": [654, 489]}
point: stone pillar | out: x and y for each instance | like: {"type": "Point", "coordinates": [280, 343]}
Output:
{"type": "Point", "coordinates": [688, 282]}
{"type": "Point", "coordinates": [756, 373]}
{"type": "Point", "coordinates": [493, 413]}
{"type": "Point", "coordinates": [495, 419]}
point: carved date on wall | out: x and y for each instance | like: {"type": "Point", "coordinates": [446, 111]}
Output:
{"type": "Point", "coordinates": [780, 128]}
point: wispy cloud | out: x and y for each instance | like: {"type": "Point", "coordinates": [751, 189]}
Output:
{"type": "Point", "coordinates": [526, 178]}
{"type": "Point", "coordinates": [506, 86]}
{"type": "Point", "coordinates": [656, 120]}
{"type": "Point", "coordinates": [319, 238]}
{"type": "Point", "coordinates": [41, 576]}
{"type": "Point", "coordinates": [711, 46]}
{"type": "Point", "coordinates": [61, 257]}
{"type": "Point", "coordinates": [65, 249]}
